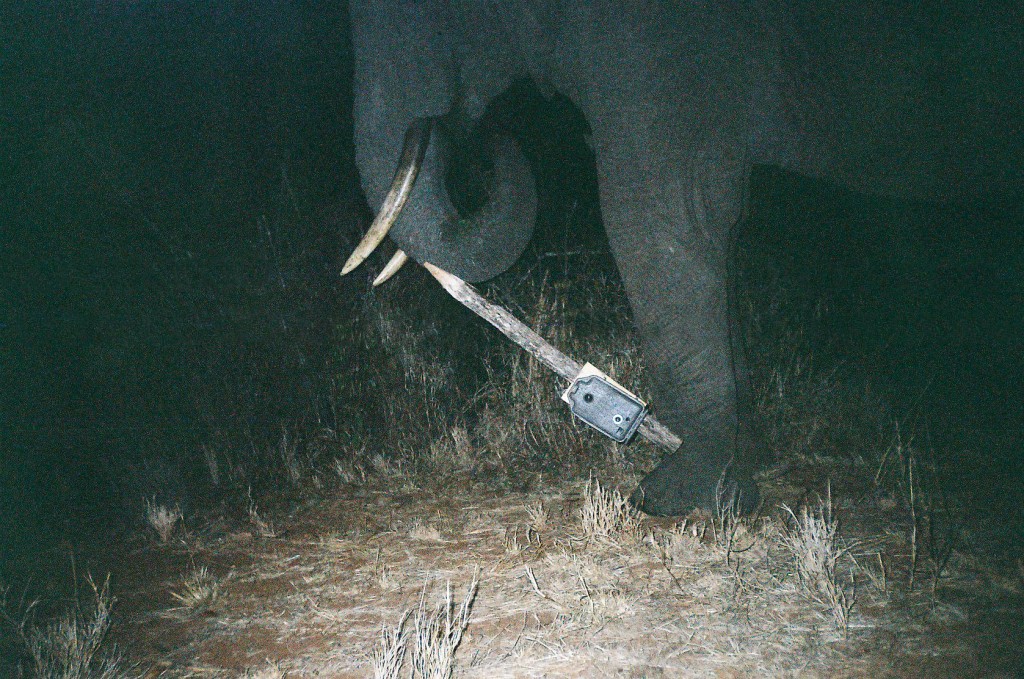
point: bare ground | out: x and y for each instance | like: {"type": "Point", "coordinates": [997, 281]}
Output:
{"type": "Point", "coordinates": [308, 594]}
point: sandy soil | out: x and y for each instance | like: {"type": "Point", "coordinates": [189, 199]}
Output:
{"type": "Point", "coordinates": [307, 594]}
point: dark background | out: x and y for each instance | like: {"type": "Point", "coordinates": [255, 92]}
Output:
{"type": "Point", "coordinates": [176, 196]}
{"type": "Point", "coordinates": [176, 189]}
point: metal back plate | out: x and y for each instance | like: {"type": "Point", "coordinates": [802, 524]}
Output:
{"type": "Point", "coordinates": [606, 406]}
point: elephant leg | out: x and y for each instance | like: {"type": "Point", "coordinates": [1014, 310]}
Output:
{"type": "Point", "coordinates": [669, 220]}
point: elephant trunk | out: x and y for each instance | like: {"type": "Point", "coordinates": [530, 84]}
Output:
{"type": "Point", "coordinates": [422, 219]}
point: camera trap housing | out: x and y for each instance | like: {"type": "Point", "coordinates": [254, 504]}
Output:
{"type": "Point", "coordinates": [604, 404]}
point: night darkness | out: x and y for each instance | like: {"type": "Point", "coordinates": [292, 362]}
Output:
{"type": "Point", "coordinates": [178, 192]}
{"type": "Point", "coordinates": [149, 151]}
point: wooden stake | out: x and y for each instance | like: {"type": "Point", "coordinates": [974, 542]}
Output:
{"type": "Point", "coordinates": [537, 346]}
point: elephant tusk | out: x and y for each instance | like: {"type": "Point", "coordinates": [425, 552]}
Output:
{"type": "Point", "coordinates": [391, 268]}
{"type": "Point", "coordinates": [417, 137]}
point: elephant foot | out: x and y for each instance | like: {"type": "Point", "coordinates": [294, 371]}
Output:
{"type": "Point", "coordinates": [679, 485]}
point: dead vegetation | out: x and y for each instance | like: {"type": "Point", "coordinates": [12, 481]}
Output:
{"type": "Point", "coordinates": [497, 494]}
{"type": "Point", "coordinates": [72, 644]}
{"type": "Point", "coordinates": [196, 593]}
{"type": "Point", "coordinates": [813, 541]}
{"type": "Point", "coordinates": [607, 515]}
{"type": "Point", "coordinates": [369, 584]}
{"type": "Point", "coordinates": [163, 520]}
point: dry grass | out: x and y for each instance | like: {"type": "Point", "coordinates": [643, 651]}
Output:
{"type": "Point", "coordinates": [538, 517]}
{"type": "Point", "coordinates": [162, 519]}
{"type": "Point", "coordinates": [72, 646]}
{"type": "Point", "coordinates": [438, 632]}
{"type": "Point", "coordinates": [264, 527]}
{"type": "Point", "coordinates": [389, 655]}
{"type": "Point", "coordinates": [576, 583]}
{"type": "Point", "coordinates": [934, 525]}
{"type": "Point", "coordinates": [813, 541]}
{"type": "Point", "coordinates": [341, 593]}
{"type": "Point", "coordinates": [271, 671]}
{"type": "Point", "coordinates": [197, 593]}
{"type": "Point", "coordinates": [607, 515]}
{"type": "Point", "coordinates": [562, 606]}
{"type": "Point", "coordinates": [424, 531]}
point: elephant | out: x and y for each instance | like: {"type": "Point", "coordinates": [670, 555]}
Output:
{"type": "Point", "coordinates": [682, 100]}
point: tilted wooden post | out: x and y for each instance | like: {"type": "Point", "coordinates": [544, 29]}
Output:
{"type": "Point", "coordinates": [537, 346]}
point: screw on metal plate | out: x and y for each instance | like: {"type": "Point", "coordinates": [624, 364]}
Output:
{"type": "Point", "coordinates": [604, 404]}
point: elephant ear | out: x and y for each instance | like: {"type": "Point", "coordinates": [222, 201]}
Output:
{"type": "Point", "coordinates": [484, 243]}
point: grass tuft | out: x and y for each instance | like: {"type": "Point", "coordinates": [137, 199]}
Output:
{"type": "Point", "coordinates": [538, 516]}
{"type": "Point", "coordinates": [264, 527]}
{"type": "Point", "coordinates": [607, 515]}
{"type": "Point", "coordinates": [389, 656]}
{"type": "Point", "coordinates": [164, 520]}
{"type": "Point", "coordinates": [71, 646]}
{"type": "Point", "coordinates": [438, 633]}
{"type": "Point", "coordinates": [813, 542]}
{"type": "Point", "coordinates": [199, 591]}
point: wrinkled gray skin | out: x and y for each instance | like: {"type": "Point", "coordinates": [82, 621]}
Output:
{"type": "Point", "coordinates": [683, 98]}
